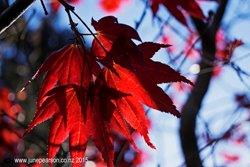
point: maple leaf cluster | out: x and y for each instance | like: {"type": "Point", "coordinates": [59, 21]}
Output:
{"type": "Point", "coordinates": [90, 95]}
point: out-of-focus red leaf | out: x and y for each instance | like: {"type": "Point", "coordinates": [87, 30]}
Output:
{"type": "Point", "coordinates": [110, 5]}
{"type": "Point", "coordinates": [217, 71]}
{"type": "Point", "coordinates": [230, 158]}
{"type": "Point", "coordinates": [6, 104]}
{"type": "Point", "coordinates": [176, 9]}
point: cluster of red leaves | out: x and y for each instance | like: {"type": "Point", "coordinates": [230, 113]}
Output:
{"type": "Point", "coordinates": [177, 8]}
{"type": "Point", "coordinates": [90, 101]}
{"type": "Point", "coordinates": [9, 134]}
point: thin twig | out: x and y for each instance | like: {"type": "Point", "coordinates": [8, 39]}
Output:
{"type": "Point", "coordinates": [44, 7]}
{"type": "Point", "coordinates": [11, 14]}
{"type": "Point", "coordinates": [139, 22]}
{"type": "Point", "coordinates": [72, 9]}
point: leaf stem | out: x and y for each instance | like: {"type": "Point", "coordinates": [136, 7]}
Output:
{"type": "Point", "coordinates": [91, 32]}
{"type": "Point", "coordinates": [70, 8]}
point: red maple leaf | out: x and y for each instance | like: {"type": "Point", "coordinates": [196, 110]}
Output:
{"type": "Point", "coordinates": [90, 102]}
{"type": "Point", "coordinates": [59, 67]}
{"type": "Point", "coordinates": [140, 71]}
{"type": "Point", "coordinates": [108, 30]}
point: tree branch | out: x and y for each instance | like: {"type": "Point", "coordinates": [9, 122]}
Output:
{"type": "Point", "coordinates": [12, 13]}
{"type": "Point", "coordinates": [219, 15]}
{"type": "Point", "coordinates": [194, 102]}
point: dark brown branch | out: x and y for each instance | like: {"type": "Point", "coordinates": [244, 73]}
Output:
{"type": "Point", "coordinates": [194, 102]}
{"type": "Point", "coordinates": [12, 13]}
{"type": "Point", "coordinates": [219, 15]}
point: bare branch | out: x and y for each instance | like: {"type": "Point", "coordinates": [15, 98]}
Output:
{"type": "Point", "coordinates": [219, 15]}
{"type": "Point", "coordinates": [193, 104]}
{"type": "Point", "coordinates": [12, 13]}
